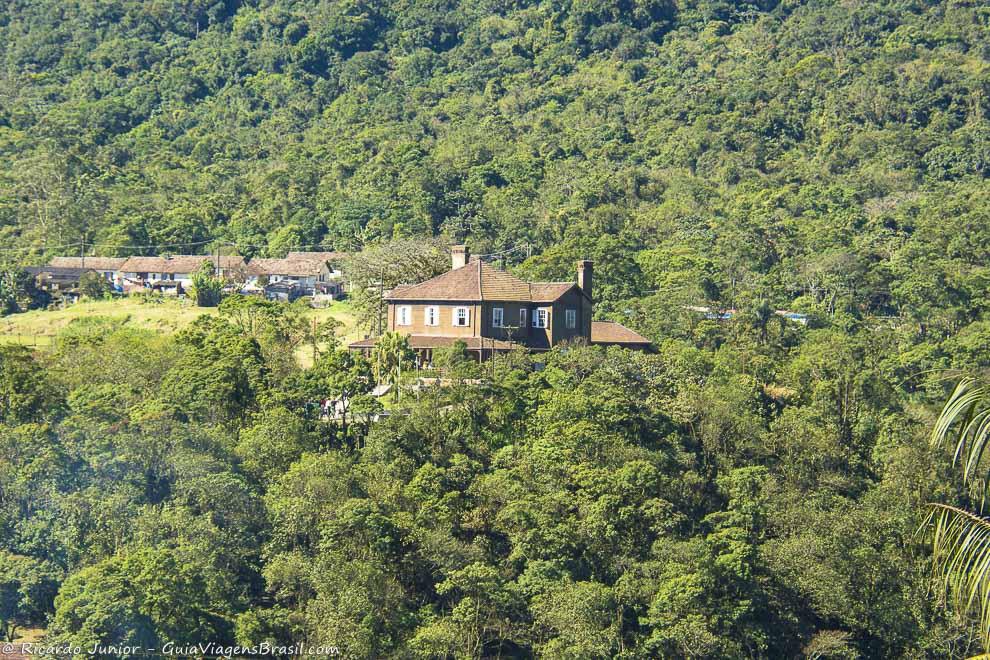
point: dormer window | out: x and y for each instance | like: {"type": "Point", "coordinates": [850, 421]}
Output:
{"type": "Point", "coordinates": [462, 316]}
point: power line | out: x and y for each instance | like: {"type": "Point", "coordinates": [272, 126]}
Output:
{"type": "Point", "coordinates": [524, 246]}
{"type": "Point", "coordinates": [146, 247]}
{"type": "Point", "coordinates": [155, 246]}
{"type": "Point", "coordinates": [42, 248]}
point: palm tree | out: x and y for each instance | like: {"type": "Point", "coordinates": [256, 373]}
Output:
{"type": "Point", "coordinates": [390, 352]}
{"type": "Point", "coordinates": [961, 538]}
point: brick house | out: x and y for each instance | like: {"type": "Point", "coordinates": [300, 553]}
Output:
{"type": "Point", "coordinates": [491, 310]}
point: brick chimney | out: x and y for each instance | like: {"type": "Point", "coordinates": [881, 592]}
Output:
{"type": "Point", "coordinates": [459, 256]}
{"type": "Point", "coordinates": [584, 276]}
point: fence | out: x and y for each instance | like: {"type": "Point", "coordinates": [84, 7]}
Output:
{"type": "Point", "coordinates": [24, 339]}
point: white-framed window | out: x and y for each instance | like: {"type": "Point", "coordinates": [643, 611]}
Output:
{"type": "Point", "coordinates": [462, 316]}
{"type": "Point", "coordinates": [432, 315]}
{"type": "Point", "coordinates": [498, 317]}
{"type": "Point", "coordinates": [403, 315]}
{"type": "Point", "coordinates": [522, 317]}
{"type": "Point", "coordinates": [541, 317]}
{"type": "Point", "coordinates": [570, 318]}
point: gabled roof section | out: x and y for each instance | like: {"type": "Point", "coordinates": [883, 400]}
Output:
{"type": "Point", "coordinates": [479, 281]}
{"type": "Point", "coordinates": [543, 292]}
{"type": "Point", "coordinates": [317, 256]}
{"type": "Point", "coordinates": [289, 266]}
{"type": "Point", "coordinates": [499, 285]}
{"type": "Point", "coordinates": [610, 332]}
{"type": "Point", "coordinates": [474, 282]}
{"type": "Point", "coordinates": [179, 263]}
{"type": "Point", "coordinates": [94, 263]}
{"type": "Point", "coordinates": [462, 284]}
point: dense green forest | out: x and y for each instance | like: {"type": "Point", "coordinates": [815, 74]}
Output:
{"type": "Point", "coordinates": [758, 500]}
{"type": "Point", "coordinates": [754, 488]}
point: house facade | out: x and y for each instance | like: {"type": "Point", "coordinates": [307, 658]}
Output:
{"type": "Point", "coordinates": [179, 268]}
{"type": "Point", "coordinates": [57, 278]}
{"type": "Point", "coordinates": [107, 267]}
{"type": "Point", "coordinates": [333, 261]}
{"type": "Point", "coordinates": [310, 272]}
{"type": "Point", "coordinates": [491, 310]}
{"type": "Point", "coordinates": [300, 273]}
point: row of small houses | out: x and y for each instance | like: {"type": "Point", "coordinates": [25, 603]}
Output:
{"type": "Point", "coordinates": [298, 274]}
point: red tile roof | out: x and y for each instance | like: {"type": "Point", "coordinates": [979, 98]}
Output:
{"type": "Point", "coordinates": [317, 256]}
{"type": "Point", "coordinates": [610, 332]}
{"type": "Point", "coordinates": [478, 281]}
{"type": "Point", "coordinates": [549, 291]}
{"type": "Point", "coordinates": [179, 263]}
{"type": "Point", "coordinates": [293, 267]}
{"type": "Point", "coordinates": [95, 263]}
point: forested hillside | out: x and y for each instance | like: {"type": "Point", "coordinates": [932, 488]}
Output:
{"type": "Point", "coordinates": [832, 150]}
{"type": "Point", "coordinates": [754, 488]}
{"type": "Point", "coordinates": [759, 500]}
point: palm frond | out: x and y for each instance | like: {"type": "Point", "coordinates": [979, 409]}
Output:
{"type": "Point", "coordinates": [965, 421]}
{"type": "Point", "coordinates": [961, 561]}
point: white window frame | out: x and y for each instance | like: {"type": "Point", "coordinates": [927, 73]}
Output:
{"type": "Point", "coordinates": [403, 315]}
{"type": "Point", "coordinates": [498, 317]}
{"type": "Point", "coordinates": [457, 317]}
{"type": "Point", "coordinates": [541, 317]}
{"type": "Point", "coordinates": [570, 319]}
{"type": "Point", "coordinates": [434, 311]}
{"type": "Point", "coordinates": [523, 317]}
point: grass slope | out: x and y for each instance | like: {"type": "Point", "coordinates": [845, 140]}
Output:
{"type": "Point", "coordinates": [39, 327]}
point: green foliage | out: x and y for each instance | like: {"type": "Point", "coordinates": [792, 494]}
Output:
{"type": "Point", "coordinates": [26, 392]}
{"type": "Point", "coordinates": [752, 489]}
{"type": "Point", "coordinates": [745, 499]}
{"type": "Point", "coordinates": [219, 374]}
{"type": "Point", "coordinates": [207, 286]}
{"type": "Point", "coordinates": [19, 292]}
{"type": "Point", "coordinates": [141, 599]}
{"type": "Point", "coordinates": [390, 355]}
{"type": "Point", "coordinates": [27, 591]}
{"type": "Point", "coordinates": [93, 285]}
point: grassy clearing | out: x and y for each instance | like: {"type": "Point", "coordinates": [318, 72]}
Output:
{"type": "Point", "coordinates": [39, 327]}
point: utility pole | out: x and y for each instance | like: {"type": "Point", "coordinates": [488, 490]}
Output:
{"type": "Point", "coordinates": [381, 300]}
{"type": "Point", "coordinates": [82, 252]}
